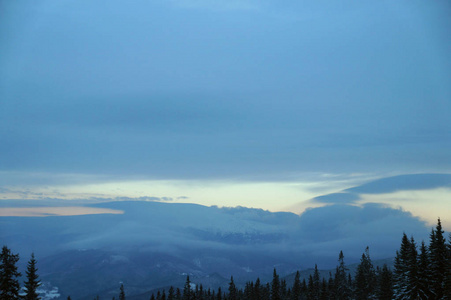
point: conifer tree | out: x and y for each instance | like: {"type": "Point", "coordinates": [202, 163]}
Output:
{"type": "Point", "coordinates": [385, 284]}
{"type": "Point", "coordinates": [9, 284]}
{"type": "Point", "coordinates": [400, 279]}
{"type": "Point", "coordinates": [296, 291]}
{"type": "Point", "coordinates": [187, 289]}
{"type": "Point", "coordinates": [233, 295]}
{"type": "Point", "coordinates": [32, 283]}
{"type": "Point", "coordinates": [249, 290]}
{"type": "Point", "coordinates": [283, 289]}
{"type": "Point", "coordinates": [438, 253]}
{"type": "Point", "coordinates": [266, 292]}
{"type": "Point", "coordinates": [196, 292]}
{"type": "Point", "coordinates": [342, 287]}
{"type": "Point", "coordinates": [314, 284]}
{"type": "Point", "coordinates": [121, 292]}
{"type": "Point", "coordinates": [171, 294]}
{"type": "Point", "coordinates": [219, 295]}
{"type": "Point", "coordinates": [257, 289]}
{"type": "Point", "coordinates": [311, 295]}
{"type": "Point", "coordinates": [324, 293]}
{"type": "Point", "coordinates": [178, 294]}
{"type": "Point", "coordinates": [424, 278]}
{"type": "Point", "coordinates": [447, 285]}
{"type": "Point", "coordinates": [331, 286]}
{"type": "Point", "coordinates": [412, 288]}
{"type": "Point", "coordinates": [275, 287]}
{"type": "Point", "coordinates": [365, 279]}
{"type": "Point", "coordinates": [304, 289]}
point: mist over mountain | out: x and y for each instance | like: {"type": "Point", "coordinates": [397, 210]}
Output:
{"type": "Point", "coordinates": [148, 245]}
{"type": "Point", "coordinates": [154, 245]}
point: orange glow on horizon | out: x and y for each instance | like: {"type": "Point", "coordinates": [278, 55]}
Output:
{"type": "Point", "coordinates": [54, 211]}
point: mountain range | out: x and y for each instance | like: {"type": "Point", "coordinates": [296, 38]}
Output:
{"type": "Point", "coordinates": [151, 245]}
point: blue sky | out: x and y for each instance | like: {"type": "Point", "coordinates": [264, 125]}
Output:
{"type": "Point", "coordinates": [253, 99]}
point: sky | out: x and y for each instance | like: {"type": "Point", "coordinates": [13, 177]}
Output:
{"type": "Point", "coordinates": [265, 104]}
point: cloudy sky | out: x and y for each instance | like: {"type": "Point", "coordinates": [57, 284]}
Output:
{"type": "Point", "coordinates": [255, 103]}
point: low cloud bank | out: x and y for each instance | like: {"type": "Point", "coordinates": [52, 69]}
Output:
{"type": "Point", "coordinates": [315, 236]}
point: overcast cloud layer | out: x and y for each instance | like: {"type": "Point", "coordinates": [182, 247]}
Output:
{"type": "Point", "coordinates": [182, 89]}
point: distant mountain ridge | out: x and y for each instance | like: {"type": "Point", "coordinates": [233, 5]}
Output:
{"type": "Point", "coordinates": [153, 245]}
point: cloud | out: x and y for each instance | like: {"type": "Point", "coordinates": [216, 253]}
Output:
{"type": "Point", "coordinates": [315, 236]}
{"type": "Point", "coordinates": [404, 183]}
{"type": "Point", "coordinates": [337, 198]}
{"type": "Point", "coordinates": [232, 90]}
{"type": "Point", "coordinates": [352, 228]}
{"type": "Point", "coordinates": [144, 198]}
{"type": "Point", "coordinates": [410, 191]}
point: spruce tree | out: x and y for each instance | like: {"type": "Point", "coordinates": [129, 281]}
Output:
{"type": "Point", "coordinates": [342, 287]}
{"type": "Point", "coordinates": [400, 275]}
{"type": "Point", "coordinates": [121, 292]}
{"type": "Point", "coordinates": [324, 292]}
{"type": "Point", "coordinates": [283, 289]}
{"type": "Point", "coordinates": [296, 291]}
{"type": "Point", "coordinates": [171, 294]}
{"type": "Point", "coordinates": [257, 289]}
{"type": "Point", "coordinates": [304, 289]}
{"type": "Point", "coordinates": [32, 283]}
{"type": "Point", "coordinates": [196, 292]}
{"type": "Point", "coordinates": [365, 279]}
{"type": "Point", "coordinates": [275, 286]}
{"type": "Point", "coordinates": [412, 289]}
{"type": "Point", "coordinates": [9, 284]}
{"type": "Point", "coordinates": [201, 292]}
{"type": "Point", "coordinates": [314, 284]}
{"type": "Point", "coordinates": [249, 290]}
{"type": "Point", "coordinates": [447, 285]}
{"type": "Point", "coordinates": [311, 294]}
{"type": "Point", "coordinates": [219, 295]}
{"type": "Point", "coordinates": [233, 295]}
{"type": "Point", "coordinates": [331, 286]}
{"type": "Point", "coordinates": [424, 278]}
{"type": "Point", "coordinates": [187, 289]}
{"type": "Point", "coordinates": [178, 294]}
{"type": "Point", "coordinates": [385, 283]}
{"type": "Point", "coordinates": [438, 253]}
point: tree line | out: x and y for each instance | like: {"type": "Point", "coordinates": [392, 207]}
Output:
{"type": "Point", "coordinates": [9, 274]}
{"type": "Point", "coordinates": [422, 272]}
